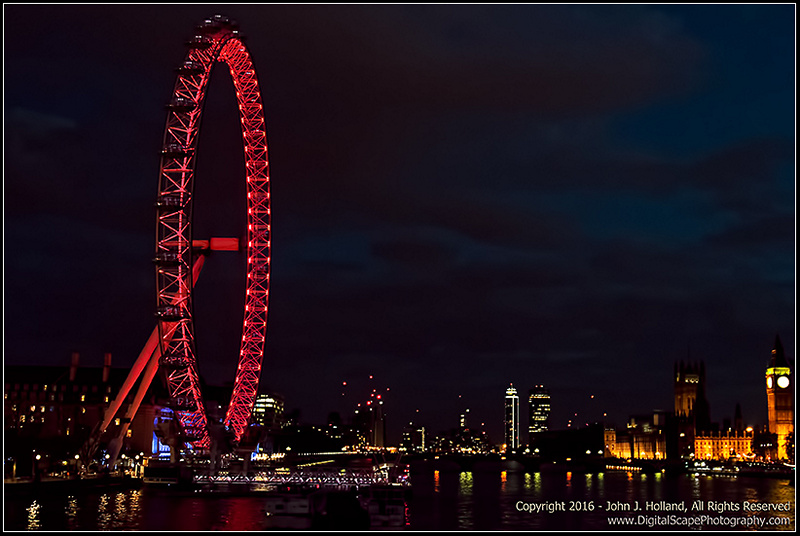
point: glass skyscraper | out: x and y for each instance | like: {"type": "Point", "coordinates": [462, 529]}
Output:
{"type": "Point", "coordinates": [538, 409]}
{"type": "Point", "coordinates": [512, 418]}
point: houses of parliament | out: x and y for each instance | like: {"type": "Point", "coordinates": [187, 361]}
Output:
{"type": "Point", "coordinates": [688, 432]}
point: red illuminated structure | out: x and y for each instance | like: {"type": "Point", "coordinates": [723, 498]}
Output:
{"type": "Point", "coordinates": [217, 40]}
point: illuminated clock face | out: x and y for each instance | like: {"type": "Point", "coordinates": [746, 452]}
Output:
{"type": "Point", "coordinates": [769, 382]}
{"type": "Point", "coordinates": [783, 382]}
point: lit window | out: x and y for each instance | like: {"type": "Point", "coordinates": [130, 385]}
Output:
{"type": "Point", "coordinates": [83, 398]}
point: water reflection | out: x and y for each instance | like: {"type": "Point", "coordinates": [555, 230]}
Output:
{"type": "Point", "coordinates": [135, 512]}
{"type": "Point", "coordinates": [695, 486]}
{"type": "Point", "coordinates": [464, 500]}
{"type": "Point", "coordinates": [34, 516]}
{"type": "Point", "coordinates": [120, 511]}
{"type": "Point", "coordinates": [72, 512]}
{"type": "Point", "coordinates": [537, 484]}
{"type": "Point", "coordinates": [466, 503]}
{"type": "Point", "coordinates": [237, 516]}
{"type": "Point", "coordinates": [465, 484]}
{"type": "Point", "coordinates": [103, 513]}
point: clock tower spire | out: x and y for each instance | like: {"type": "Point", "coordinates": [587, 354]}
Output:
{"type": "Point", "coordinates": [780, 407]}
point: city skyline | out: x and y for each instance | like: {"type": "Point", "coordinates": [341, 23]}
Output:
{"type": "Point", "coordinates": [463, 197]}
{"type": "Point", "coordinates": [688, 399]}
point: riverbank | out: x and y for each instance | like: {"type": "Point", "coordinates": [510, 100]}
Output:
{"type": "Point", "coordinates": [28, 486]}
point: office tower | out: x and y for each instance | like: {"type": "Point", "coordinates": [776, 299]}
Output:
{"type": "Point", "coordinates": [463, 419]}
{"type": "Point", "coordinates": [538, 409]}
{"type": "Point", "coordinates": [268, 411]}
{"type": "Point", "coordinates": [512, 418]}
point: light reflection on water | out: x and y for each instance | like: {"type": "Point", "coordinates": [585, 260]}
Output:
{"type": "Point", "coordinates": [115, 510]}
{"type": "Point", "coordinates": [466, 502]}
{"type": "Point", "coordinates": [485, 500]}
{"type": "Point", "coordinates": [103, 515]}
{"type": "Point", "coordinates": [72, 512]}
{"type": "Point", "coordinates": [446, 500]}
{"type": "Point", "coordinates": [34, 519]}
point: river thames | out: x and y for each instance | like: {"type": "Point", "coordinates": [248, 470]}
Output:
{"type": "Point", "coordinates": [455, 500]}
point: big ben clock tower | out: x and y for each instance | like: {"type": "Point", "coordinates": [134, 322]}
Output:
{"type": "Point", "coordinates": [780, 390]}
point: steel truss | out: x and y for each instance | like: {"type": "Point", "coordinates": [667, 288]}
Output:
{"type": "Point", "coordinates": [217, 40]}
{"type": "Point", "coordinates": [300, 477]}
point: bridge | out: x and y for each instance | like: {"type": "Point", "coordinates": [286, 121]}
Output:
{"type": "Point", "coordinates": [303, 477]}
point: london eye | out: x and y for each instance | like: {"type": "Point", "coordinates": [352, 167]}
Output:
{"type": "Point", "coordinates": [178, 254]}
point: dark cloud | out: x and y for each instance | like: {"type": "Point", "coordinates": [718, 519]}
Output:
{"type": "Point", "coordinates": [747, 176]}
{"type": "Point", "coordinates": [414, 253]}
{"type": "Point", "coordinates": [777, 230]}
{"type": "Point", "coordinates": [463, 196]}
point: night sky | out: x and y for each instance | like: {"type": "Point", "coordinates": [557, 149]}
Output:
{"type": "Point", "coordinates": [462, 197]}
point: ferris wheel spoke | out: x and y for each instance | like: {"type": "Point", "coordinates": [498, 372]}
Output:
{"type": "Point", "coordinates": [216, 40]}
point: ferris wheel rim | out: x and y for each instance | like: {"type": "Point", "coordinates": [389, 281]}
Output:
{"type": "Point", "coordinates": [216, 40]}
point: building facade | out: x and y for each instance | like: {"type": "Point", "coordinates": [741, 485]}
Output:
{"type": "Point", "coordinates": [511, 424]}
{"type": "Point", "coordinates": [56, 409]}
{"type": "Point", "coordinates": [538, 409]}
{"type": "Point", "coordinates": [644, 438]}
{"type": "Point", "coordinates": [727, 445]}
{"type": "Point", "coordinates": [413, 439]}
{"type": "Point", "coordinates": [780, 404]}
{"type": "Point", "coordinates": [692, 412]}
{"type": "Point", "coordinates": [268, 411]}
{"type": "Point", "coordinates": [690, 394]}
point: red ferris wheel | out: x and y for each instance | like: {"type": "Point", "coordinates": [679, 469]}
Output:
{"type": "Point", "coordinates": [178, 257]}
